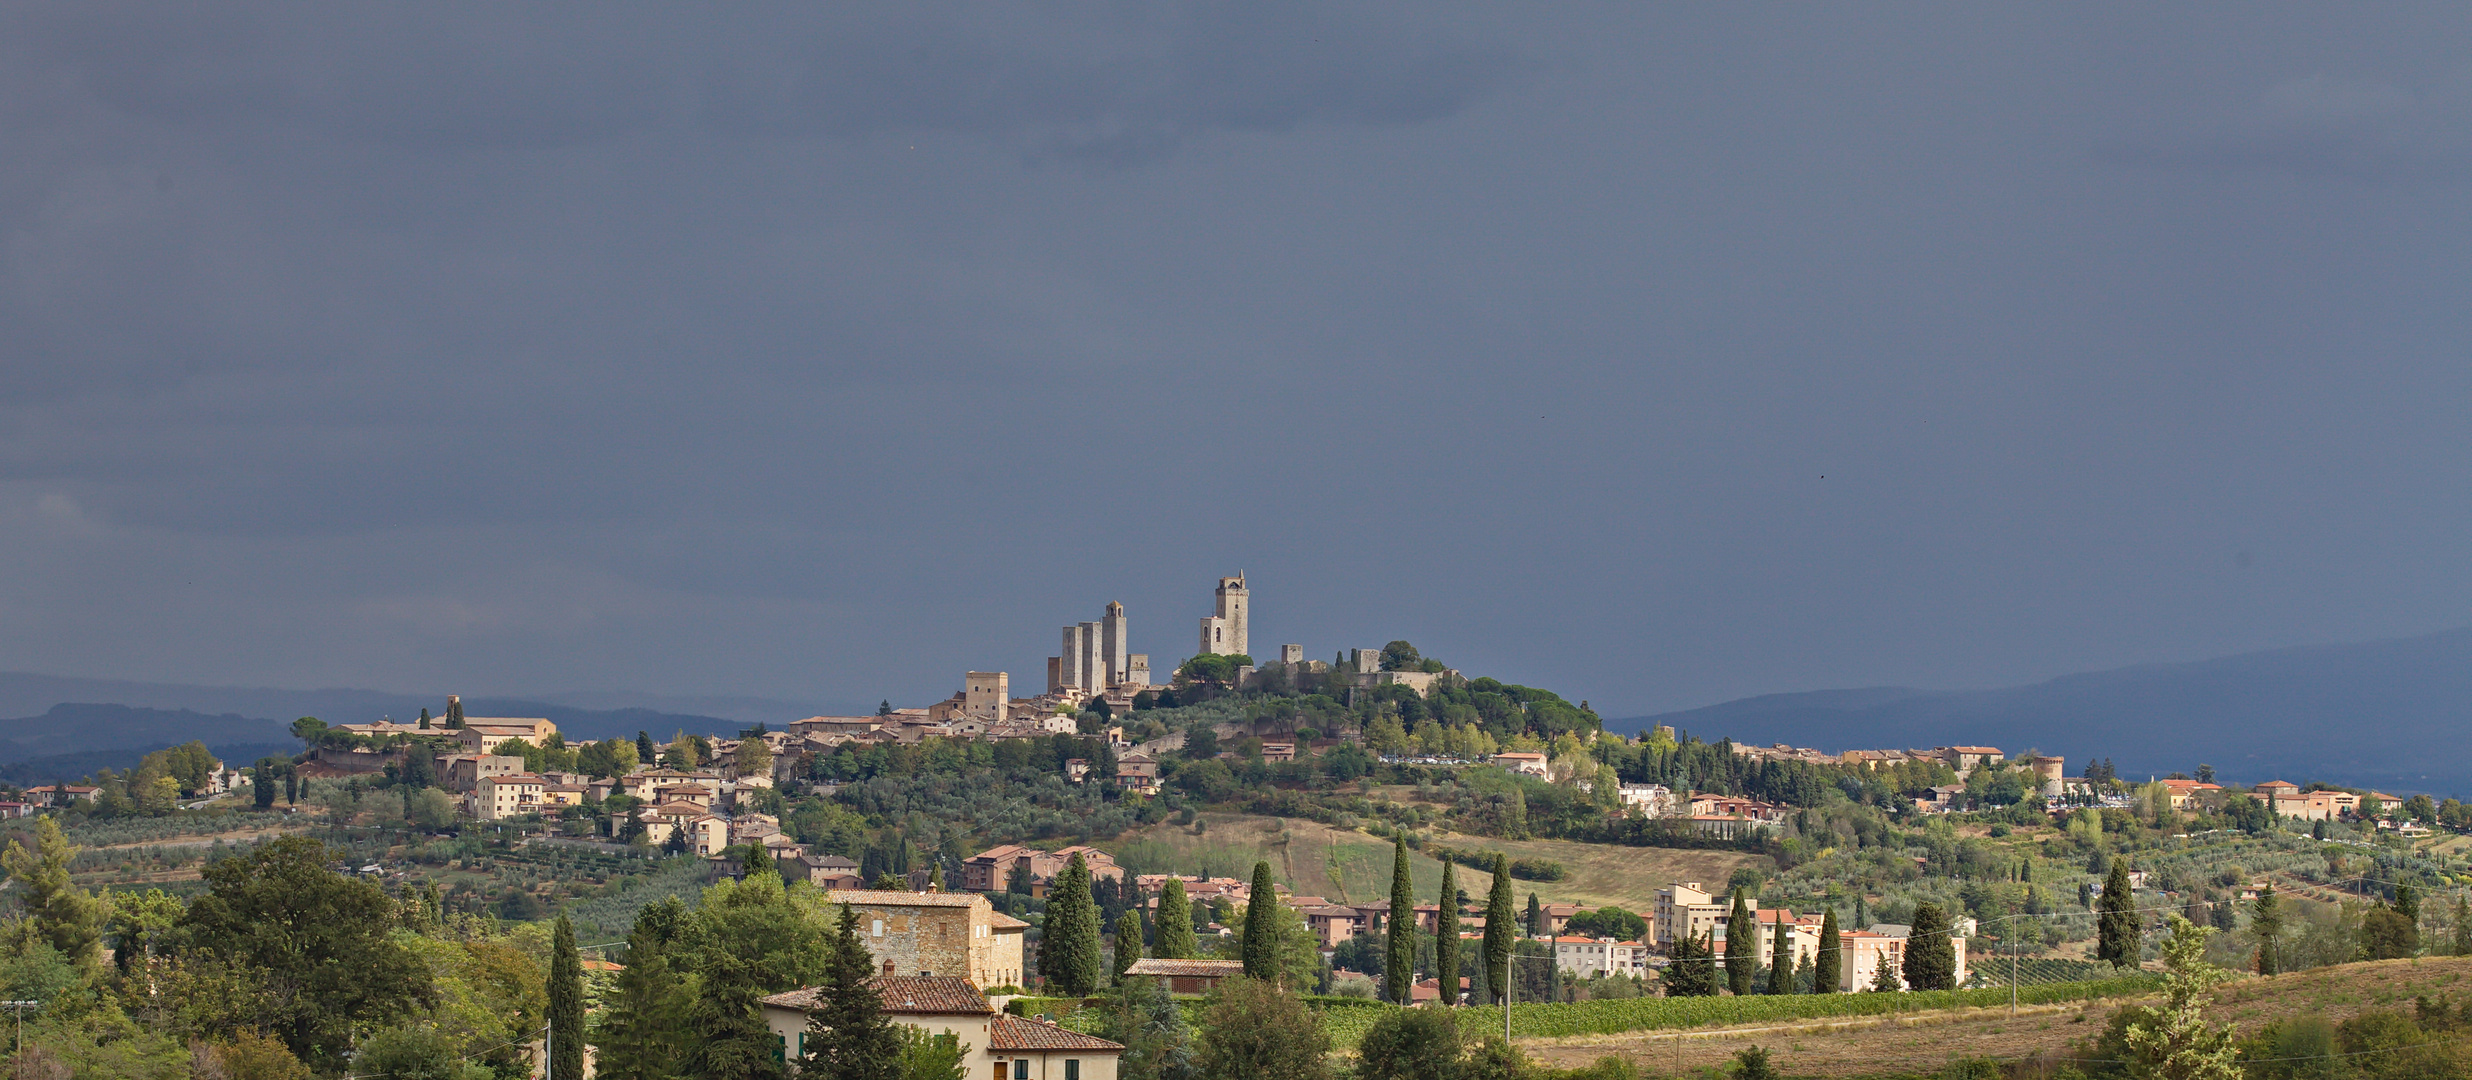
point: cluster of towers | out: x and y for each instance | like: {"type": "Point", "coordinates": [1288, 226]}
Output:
{"type": "Point", "coordinates": [1098, 657]}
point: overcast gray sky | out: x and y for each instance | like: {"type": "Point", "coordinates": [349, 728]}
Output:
{"type": "Point", "coordinates": [1655, 354]}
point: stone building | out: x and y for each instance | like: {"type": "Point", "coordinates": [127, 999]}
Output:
{"type": "Point", "coordinates": [482, 734]}
{"type": "Point", "coordinates": [986, 694]}
{"type": "Point", "coordinates": [1224, 631]}
{"type": "Point", "coordinates": [995, 1044]}
{"type": "Point", "coordinates": [931, 933]}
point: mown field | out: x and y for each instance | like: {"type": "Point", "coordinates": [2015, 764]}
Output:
{"type": "Point", "coordinates": [1345, 865]}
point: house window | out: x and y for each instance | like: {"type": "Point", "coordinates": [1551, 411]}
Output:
{"type": "Point", "coordinates": [1072, 1069]}
{"type": "Point", "coordinates": [879, 928]}
{"type": "Point", "coordinates": [1021, 1069]}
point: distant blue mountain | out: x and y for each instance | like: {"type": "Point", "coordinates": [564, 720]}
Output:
{"type": "Point", "coordinates": [2390, 714]}
{"type": "Point", "coordinates": [26, 694]}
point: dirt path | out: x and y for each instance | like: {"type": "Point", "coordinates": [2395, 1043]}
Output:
{"type": "Point", "coordinates": [192, 840]}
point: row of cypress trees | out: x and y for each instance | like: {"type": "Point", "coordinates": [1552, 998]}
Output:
{"type": "Point", "coordinates": [1069, 936]}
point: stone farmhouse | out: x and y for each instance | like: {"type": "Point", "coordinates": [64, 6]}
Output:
{"type": "Point", "coordinates": [999, 1046]}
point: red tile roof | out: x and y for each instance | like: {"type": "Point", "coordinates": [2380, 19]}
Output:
{"type": "Point", "coordinates": [1014, 1033]}
{"type": "Point", "coordinates": [938, 994]}
{"type": "Point", "coordinates": [1152, 965]}
{"type": "Point", "coordinates": [897, 898]}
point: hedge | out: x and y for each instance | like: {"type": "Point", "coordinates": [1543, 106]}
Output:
{"type": "Point", "coordinates": [1614, 1016]}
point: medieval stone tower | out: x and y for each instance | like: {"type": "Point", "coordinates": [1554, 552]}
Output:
{"type": "Point", "coordinates": [1224, 632]}
{"type": "Point", "coordinates": [1098, 656]}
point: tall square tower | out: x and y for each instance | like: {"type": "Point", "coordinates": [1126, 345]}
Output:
{"type": "Point", "coordinates": [987, 694]}
{"type": "Point", "coordinates": [1115, 648]}
{"type": "Point", "coordinates": [1224, 631]}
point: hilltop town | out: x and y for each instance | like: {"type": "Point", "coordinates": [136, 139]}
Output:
{"type": "Point", "coordinates": [1380, 827]}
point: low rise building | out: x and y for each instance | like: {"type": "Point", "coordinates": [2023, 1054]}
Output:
{"type": "Point", "coordinates": [1865, 952]}
{"type": "Point", "coordinates": [999, 1046]}
{"type": "Point", "coordinates": [498, 798]}
{"type": "Point", "coordinates": [482, 734]}
{"type": "Point", "coordinates": [1187, 976]}
{"type": "Point", "coordinates": [464, 772]}
{"type": "Point", "coordinates": [1523, 761]}
{"type": "Point", "coordinates": [1588, 957]}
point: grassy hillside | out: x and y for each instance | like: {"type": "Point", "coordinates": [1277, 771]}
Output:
{"type": "Point", "coordinates": [1318, 860]}
{"type": "Point", "coordinates": [1920, 1045]}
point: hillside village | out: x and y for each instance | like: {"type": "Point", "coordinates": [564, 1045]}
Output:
{"type": "Point", "coordinates": [995, 850]}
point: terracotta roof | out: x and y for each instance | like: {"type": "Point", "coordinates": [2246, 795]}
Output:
{"type": "Point", "coordinates": [997, 920]}
{"type": "Point", "coordinates": [1152, 965]}
{"type": "Point", "coordinates": [1014, 1033]}
{"type": "Point", "coordinates": [938, 994]}
{"type": "Point", "coordinates": [897, 898]}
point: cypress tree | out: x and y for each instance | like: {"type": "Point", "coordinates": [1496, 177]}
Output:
{"type": "Point", "coordinates": [2463, 927]}
{"type": "Point", "coordinates": [566, 1005]}
{"type": "Point", "coordinates": [644, 751]}
{"type": "Point", "coordinates": [2116, 928]}
{"type": "Point", "coordinates": [1781, 960]}
{"type": "Point", "coordinates": [1536, 917]}
{"type": "Point", "coordinates": [1742, 946]}
{"type": "Point", "coordinates": [1499, 934]}
{"type": "Point", "coordinates": [291, 786]}
{"type": "Point", "coordinates": [1128, 942]}
{"type": "Point", "coordinates": [262, 785]}
{"type": "Point", "coordinates": [1694, 971]}
{"type": "Point", "coordinates": [1069, 938]}
{"type": "Point", "coordinates": [848, 1035]}
{"type": "Point", "coordinates": [1930, 957]}
{"type": "Point", "coordinates": [1884, 978]}
{"type": "Point", "coordinates": [2266, 922]}
{"type": "Point", "coordinates": [1829, 965]}
{"type": "Point", "coordinates": [1446, 937]}
{"type": "Point", "coordinates": [1261, 940]}
{"type": "Point", "coordinates": [1862, 913]}
{"type": "Point", "coordinates": [1806, 976]}
{"type": "Point", "coordinates": [643, 1029]}
{"type": "Point", "coordinates": [1175, 936]}
{"type": "Point", "coordinates": [1399, 952]}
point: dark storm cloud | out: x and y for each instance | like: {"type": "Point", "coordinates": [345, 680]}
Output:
{"type": "Point", "coordinates": [1655, 354]}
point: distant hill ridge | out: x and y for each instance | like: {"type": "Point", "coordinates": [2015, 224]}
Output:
{"type": "Point", "coordinates": [69, 727]}
{"type": "Point", "coordinates": [2392, 714]}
